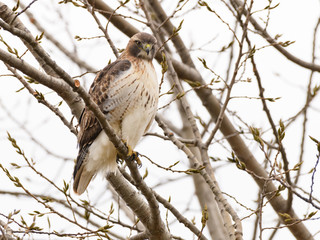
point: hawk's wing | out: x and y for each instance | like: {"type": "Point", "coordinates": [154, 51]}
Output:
{"type": "Point", "coordinates": [106, 91]}
{"type": "Point", "coordinates": [105, 98]}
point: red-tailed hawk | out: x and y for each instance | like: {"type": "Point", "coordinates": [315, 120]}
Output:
{"type": "Point", "coordinates": [127, 93]}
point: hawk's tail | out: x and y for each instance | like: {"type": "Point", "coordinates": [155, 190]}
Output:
{"type": "Point", "coordinates": [81, 176]}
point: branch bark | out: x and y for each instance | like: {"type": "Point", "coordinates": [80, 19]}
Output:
{"type": "Point", "coordinates": [131, 197]}
{"type": "Point", "coordinates": [56, 84]}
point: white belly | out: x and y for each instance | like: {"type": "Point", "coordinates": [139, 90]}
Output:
{"type": "Point", "coordinates": [102, 155]}
{"type": "Point", "coordinates": [135, 124]}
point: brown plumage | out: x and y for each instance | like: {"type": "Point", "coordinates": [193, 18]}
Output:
{"type": "Point", "coordinates": [127, 93]}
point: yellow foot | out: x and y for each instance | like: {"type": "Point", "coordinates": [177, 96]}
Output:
{"type": "Point", "coordinates": [132, 155]}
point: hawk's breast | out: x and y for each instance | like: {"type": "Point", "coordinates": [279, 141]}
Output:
{"type": "Point", "coordinates": [143, 103]}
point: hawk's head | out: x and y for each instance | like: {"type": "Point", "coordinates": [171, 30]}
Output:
{"type": "Point", "coordinates": [142, 45]}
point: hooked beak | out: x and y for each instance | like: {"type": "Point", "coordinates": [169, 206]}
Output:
{"type": "Point", "coordinates": [147, 48]}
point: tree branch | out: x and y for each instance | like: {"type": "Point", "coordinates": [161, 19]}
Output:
{"type": "Point", "coordinates": [138, 205]}
{"type": "Point", "coordinates": [224, 205]}
{"type": "Point", "coordinates": [73, 56]}
{"type": "Point", "coordinates": [237, 4]}
{"type": "Point", "coordinates": [41, 100]}
{"type": "Point", "coordinates": [12, 22]}
{"type": "Point", "coordinates": [56, 84]}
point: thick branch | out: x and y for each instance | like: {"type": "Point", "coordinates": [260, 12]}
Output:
{"type": "Point", "coordinates": [18, 29]}
{"type": "Point", "coordinates": [56, 84]}
{"type": "Point", "coordinates": [155, 224]}
{"type": "Point", "coordinates": [41, 100]}
{"type": "Point", "coordinates": [138, 205]}
{"type": "Point", "coordinates": [117, 21]}
{"type": "Point", "coordinates": [172, 209]}
{"type": "Point", "coordinates": [130, 196]}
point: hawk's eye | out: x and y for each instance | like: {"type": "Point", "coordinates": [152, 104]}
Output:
{"type": "Point", "coordinates": [138, 42]}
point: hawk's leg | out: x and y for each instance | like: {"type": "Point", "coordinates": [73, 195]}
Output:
{"type": "Point", "coordinates": [132, 155]}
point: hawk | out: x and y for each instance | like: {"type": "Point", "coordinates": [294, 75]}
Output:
{"type": "Point", "coordinates": [127, 93]}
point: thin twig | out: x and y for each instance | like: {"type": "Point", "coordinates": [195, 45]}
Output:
{"type": "Point", "coordinates": [309, 98]}
{"type": "Point", "coordinates": [104, 30]}
{"type": "Point", "coordinates": [237, 4]}
{"type": "Point", "coordinates": [212, 184]}
{"type": "Point", "coordinates": [23, 10]}
{"type": "Point", "coordinates": [41, 100]}
{"type": "Point", "coordinates": [73, 56]}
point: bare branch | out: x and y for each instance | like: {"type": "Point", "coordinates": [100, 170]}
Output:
{"type": "Point", "coordinates": [224, 206]}
{"type": "Point", "coordinates": [104, 30]}
{"type": "Point", "coordinates": [41, 100]}
{"type": "Point", "coordinates": [56, 84]}
{"type": "Point", "coordinates": [237, 4]}
{"type": "Point", "coordinates": [51, 38]}
{"type": "Point", "coordinates": [137, 204]}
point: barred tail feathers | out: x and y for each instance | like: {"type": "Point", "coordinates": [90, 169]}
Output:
{"type": "Point", "coordinates": [81, 180]}
{"type": "Point", "coordinates": [81, 176]}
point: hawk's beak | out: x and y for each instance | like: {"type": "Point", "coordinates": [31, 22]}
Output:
{"type": "Point", "coordinates": [147, 48]}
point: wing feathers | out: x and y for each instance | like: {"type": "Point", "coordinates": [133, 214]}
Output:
{"type": "Point", "coordinates": [113, 70]}
{"type": "Point", "coordinates": [89, 129]}
{"type": "Point", "coordinates": [107, 100]}
{"type": "Point", "coordinates": [102, 95]}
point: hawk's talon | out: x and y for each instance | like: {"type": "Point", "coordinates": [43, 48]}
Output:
{"type": "Point", "coordinates": [132, 155]}
{"type": "Point", "coordinates": [119, 160]}
{"type": "Point", "coordinates": [135, 157]}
